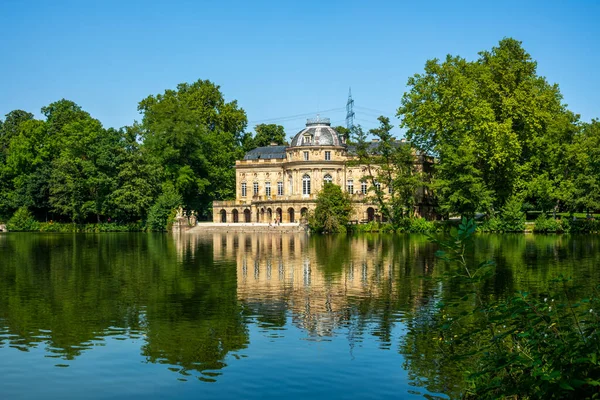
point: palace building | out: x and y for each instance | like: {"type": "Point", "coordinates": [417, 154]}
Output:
{"type": "Point", "coordinates": [280, 183]}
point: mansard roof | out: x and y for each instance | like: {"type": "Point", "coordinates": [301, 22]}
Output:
{"type": "Point", "coordinates": [266, 153]}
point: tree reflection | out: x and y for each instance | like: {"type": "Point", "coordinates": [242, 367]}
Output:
{"type": "Point", "coordinates": [67, 292]}
{"type": "Point", "coordinates": [188, 300]}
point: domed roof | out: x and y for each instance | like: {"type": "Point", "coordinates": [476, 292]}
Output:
{"type": "Point", "coordinates": [318, 132]}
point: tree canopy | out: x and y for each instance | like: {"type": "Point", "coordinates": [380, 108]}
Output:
{"type": "Point", "coordinates": [68, 167]}
{"type": "Point", "coordinates": [332, 211]}
{"type": "Point", "coordinates": [497, 129]}
{"type": "Point", "coordinates": [391, 174]}
{"type": "Point", "coordinates": [196, 135]}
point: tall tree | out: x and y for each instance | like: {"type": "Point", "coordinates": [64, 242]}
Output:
{"type": "Point", "coordinates": [196, 135]}
{"type": "Point", "coordinates": [83, 174]}
{"type": "Point", "coordinates": [495, 115]}
{"type": "Point", "coordinates": [138, 180]}
{"type": "Point", "coordinates": [25, 173]}
{"type": "Point", "coordinates": [391, 171]}
{"type": "Point", "coordinates": [10, 127]}
{"type": "Point", "coordinates": [61, 113]}
{"type": "Point", "coordinates": [586, 150]}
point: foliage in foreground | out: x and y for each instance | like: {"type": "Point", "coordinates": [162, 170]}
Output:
{"type": "Point", "coordinates": [525, 347]}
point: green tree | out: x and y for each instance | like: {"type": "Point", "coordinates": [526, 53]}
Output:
{"type": "Point", "coordinates": [138, 180]}
{"type": "Point", "coordinates": [25, 174]}
{"type": "Point", "coordinates": [494, 115]}
{"type": "Point", "coordinates": [333, 210]}
{"type": "Point", "coordinates": [61, 113]}
{"type": "Point", "coordinates": [390, 167]}
{"type": "Point", "coordinates": [586, 151]}
{"type": "Point", "coordinates": [459, 184]}
{"type": "Point", "coordinates": [196, 135]}
{"type": "Point", "coordinates": [343, 132]}
{"type": "Point", "coordinates": [267, 134]}
{"type": "Point", "coordinates": [83, 173]}
{"type": "Point", "coordinates": [162, 212]}
{"type": "Point", "coordinates": [10, 127]}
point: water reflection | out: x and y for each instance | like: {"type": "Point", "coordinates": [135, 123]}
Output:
{"type": "Point", "coordinates": [71, 293]}
{"type": "Point", "coordinates": [325, 281]}
{"type": "Point", "coordinates": [194, 302]}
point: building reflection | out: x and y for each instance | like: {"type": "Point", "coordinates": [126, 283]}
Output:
{"type": "Point", "coordinates": [323, 281]}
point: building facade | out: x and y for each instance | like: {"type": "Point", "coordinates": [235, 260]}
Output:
{"type": "Point", "coordinates": [280, 183]}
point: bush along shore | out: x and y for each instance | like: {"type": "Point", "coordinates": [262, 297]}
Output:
{"type": "Point", "coordinates": [23, 221]}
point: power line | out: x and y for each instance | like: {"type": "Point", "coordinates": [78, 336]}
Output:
{"type": "Point", "coordinates": [296, 130]}
{"type": "Point", "coordinates": [374, 110]}
{"type": "Point", "coordinates": [370, 114]}
{"type": "Point", "coordinates": [293, 117]}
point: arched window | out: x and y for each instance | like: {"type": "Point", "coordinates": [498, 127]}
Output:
{"type": "Point", "coordinates": [327, 178]}
{"type": "Point", "coordinates": [306, 184]}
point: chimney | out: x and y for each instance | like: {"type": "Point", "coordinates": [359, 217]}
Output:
{"type": "Point", "coordinates": [273, 144]}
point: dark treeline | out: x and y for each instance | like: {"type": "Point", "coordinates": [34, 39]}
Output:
{"type": "Point", "coordinates": [501, 136]}
{"type": "Point", "coordinates": [69, 168]}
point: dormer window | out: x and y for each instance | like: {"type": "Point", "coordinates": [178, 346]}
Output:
{"type": "Point", "coordinates": [306, 139]}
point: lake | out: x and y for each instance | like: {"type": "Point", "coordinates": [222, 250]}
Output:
{"type": "Point", "coordinates": [248, 316]}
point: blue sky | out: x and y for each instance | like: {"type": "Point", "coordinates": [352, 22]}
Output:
{"type": "Point", "coordinates": [278, 59]}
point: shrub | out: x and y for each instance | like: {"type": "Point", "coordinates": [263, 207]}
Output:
{"type": "Point", "coordinates": [513, 218]}
{"type": "Point", "coordinates": [421, 225]}
{"type": "Point", "coordinates": [403, 225]}
{"type": "Point", "coordinates": [494, 224]}
{"type": "Point", "coordinates": [163, 211]}
{"type": "Point", "coordinates": [371, 226]}
{"type": "Point", "coordinates": [585, 225]}
{"type": "Point", "coordinates": [544, 224]}
{"type": "Point", "coordinates": [57, 227]}
{"type": "Point", "coordinates": [90, 228]}
{"type": "Point", "coordinates": [22, 220]}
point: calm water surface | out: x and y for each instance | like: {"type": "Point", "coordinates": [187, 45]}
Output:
{"type": "Point", "coordinates": [239, 315]}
